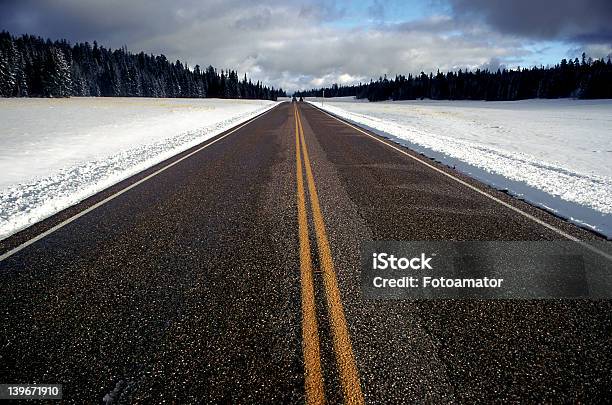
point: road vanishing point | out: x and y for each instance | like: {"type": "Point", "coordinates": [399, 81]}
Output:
{"type": "Point", "coordinates": [230, 273]}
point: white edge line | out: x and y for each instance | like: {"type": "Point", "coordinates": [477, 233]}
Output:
{"type": "Point", "coordinates": [505, 204]}
{"type": "Point", "coordinates": [117, 194]}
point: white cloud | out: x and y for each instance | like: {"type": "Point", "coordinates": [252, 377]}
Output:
{"type": "Point", "coordinates": [283, 43]}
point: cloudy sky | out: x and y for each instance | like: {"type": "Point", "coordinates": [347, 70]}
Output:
{"type": "Point", "coordinates": [303, 44]}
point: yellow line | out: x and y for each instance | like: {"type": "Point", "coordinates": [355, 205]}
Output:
{"type": "Point", "coordinates": [349, 375]}
{"type": "Point", "coordinates": [313, 378]}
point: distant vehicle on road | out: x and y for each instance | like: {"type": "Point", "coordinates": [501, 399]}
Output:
{"type": "Point", "coordinates": [293, 100]}
{"type": "Point", "coordinates": [301, 99]}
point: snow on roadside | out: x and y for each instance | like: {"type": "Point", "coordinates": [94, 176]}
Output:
{"type": "Point", "coordinates": [56, 153]}
{"type": "Point", "coordinates": [556, 154]}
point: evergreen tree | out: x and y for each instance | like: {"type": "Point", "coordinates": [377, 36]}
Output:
{"type": "Point", "coordinates": [57, 81]}
{"type": "Point", "coordinates": [31, 66]}
{"type": "Point", "coordinates": [587, 78]}
{"type": "Point", "coordinates": [8, 77]}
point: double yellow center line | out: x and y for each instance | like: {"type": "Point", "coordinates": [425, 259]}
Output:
{"type": "Point", "coordinates": [347, 369]}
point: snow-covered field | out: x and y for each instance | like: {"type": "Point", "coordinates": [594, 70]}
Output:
{"type": "Point", "coordinates": [57, 152]}
{"type": "Point", "coordinates": [553, 153]}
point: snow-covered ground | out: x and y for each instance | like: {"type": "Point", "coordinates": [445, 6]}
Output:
{"type": "Point", "coordinates": [57, 152]}
{"type": "Point", "coordinates": [553, 153]}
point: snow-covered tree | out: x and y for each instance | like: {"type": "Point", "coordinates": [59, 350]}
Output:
{"type": "Point", "coordinates": [8, 79]}
{"type": "Point", "coordinates": [57, 80]}
{"type": "Point", "coordinates": [32, 66]}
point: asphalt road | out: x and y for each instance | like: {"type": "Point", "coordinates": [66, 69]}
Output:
{"type": "Point", "coordinates": [233, 277]}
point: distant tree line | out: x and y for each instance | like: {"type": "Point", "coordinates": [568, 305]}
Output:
{"type": "Point", "coordinates": [33, 67]}
{"type": "Point", "coordinates": [585, 78]}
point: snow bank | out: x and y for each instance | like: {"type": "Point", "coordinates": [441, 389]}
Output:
{"type": "Point", "coordinates": [57, 152]}
{"type": "Point", "coordinates": [556, 154]}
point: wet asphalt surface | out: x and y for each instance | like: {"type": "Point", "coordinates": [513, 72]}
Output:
{"type": "Point", "coordinates": [186, 289]}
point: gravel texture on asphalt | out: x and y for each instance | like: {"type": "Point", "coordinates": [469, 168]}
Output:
{"type": "Point", "coordinates": [186, 288]}
{"type": "Point", "coordinates": [183, 288]}
{"type": "Point", "coordinates": [449, 350]}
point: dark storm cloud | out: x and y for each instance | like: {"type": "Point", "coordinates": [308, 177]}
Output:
{"type": "Point", "coordinates": [106, 20]}
{"type": "Point", "coordinates": [301, 43]}
{"type": "Point", "coordinates": [584, 21]}
{"type": "Point", "coordinates": [76, 20]}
